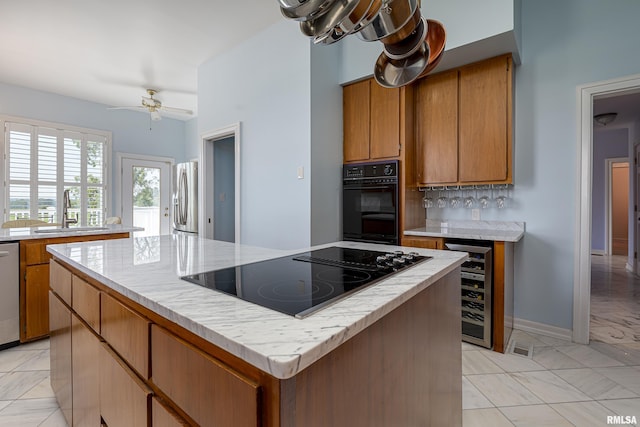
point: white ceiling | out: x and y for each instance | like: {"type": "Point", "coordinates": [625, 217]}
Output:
{"type": "Point", "coordinates": [110, 51]}
{"type": "Point", "coordinates": [627, 106]}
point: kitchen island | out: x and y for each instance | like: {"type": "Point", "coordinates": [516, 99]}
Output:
{"type": "Point", "coordinates": [150, 348]}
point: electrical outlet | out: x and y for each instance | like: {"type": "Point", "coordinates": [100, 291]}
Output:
{"type": "Point", "coordinates": [475, 214]}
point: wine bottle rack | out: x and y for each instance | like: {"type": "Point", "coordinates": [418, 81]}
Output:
{"type": "Point", "coordinates": [476, 285]}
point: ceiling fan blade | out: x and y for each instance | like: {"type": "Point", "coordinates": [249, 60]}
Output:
{"type": "Point", "coordinates": [176, 110]}
{"type": "Point", "coordinates": [134, 107]}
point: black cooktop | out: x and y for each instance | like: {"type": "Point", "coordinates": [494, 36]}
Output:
{"type": "Point", "coordinates": [303, 283]}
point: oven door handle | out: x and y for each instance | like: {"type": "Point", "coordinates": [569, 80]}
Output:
{"type": "Point", "coordinates": [365, 187]}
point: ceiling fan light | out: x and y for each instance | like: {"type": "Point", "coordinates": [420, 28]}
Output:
{"type": "Point", "coordinates": [155, 116]}
{"type": "Point", "coordinates": [605, 118]}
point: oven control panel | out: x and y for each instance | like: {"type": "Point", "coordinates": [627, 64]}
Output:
{"type": "Point", "coordinates": [367, 171]}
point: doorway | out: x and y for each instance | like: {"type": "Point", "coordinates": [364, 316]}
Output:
{"type": "Point", "coordinates": [220, 189]}
{"type": "Point", "coordinates": [145, 194]}
{"type": "Point", "coordinates": [619, 207]}
{"type": "Point", "coordinates": [224, 190]}
{"type": "Point", "coordinates": [582, 263]}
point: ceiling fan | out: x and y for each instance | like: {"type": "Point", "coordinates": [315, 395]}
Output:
{"type": "Point", "coordinates": [154, 106]}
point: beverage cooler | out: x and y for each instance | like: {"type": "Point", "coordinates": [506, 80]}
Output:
{"type": "Point", "coordinates": [476, 287]}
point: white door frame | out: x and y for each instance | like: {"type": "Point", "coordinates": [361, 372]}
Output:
{"type": "Point", "coordinates": [608, 197]}
{"type": "Point", "coordinates": [118, 187]}
{"type": "Point", "coordinates": [582, 246]}
{"type": "Point", "coordinates": [205, 176]}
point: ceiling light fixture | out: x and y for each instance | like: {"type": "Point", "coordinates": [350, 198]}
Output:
{"type": "Point", "coordinates": [605, 118]}
{"type": "Point", "coordinates": [155, 116]}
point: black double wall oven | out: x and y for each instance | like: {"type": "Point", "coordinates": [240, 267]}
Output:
{"type": "Point", "coordinates": [370, 202]}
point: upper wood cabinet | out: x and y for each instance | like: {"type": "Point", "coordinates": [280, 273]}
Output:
{"type": "Point", "coordinates": [437, 128]}
{"type": "Point", "coordinates": [371, 120]}
{"type": "Point", "coordinates": [464, 125]}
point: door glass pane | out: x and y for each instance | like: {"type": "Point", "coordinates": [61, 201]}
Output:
{"type": "Point", "coordinates": [75, 198]}
{"type": "Point", "coordinates": [19, 201]}
{"type": "Point", "coordinates": [47, 203]}
{"type": "Point", "coordinates": [146, 200]}
{"type": "Point", "coordinates": [95, 206]}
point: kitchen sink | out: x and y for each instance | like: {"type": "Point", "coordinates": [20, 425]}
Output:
{"type": "Point", "coordinates": [70, 229]}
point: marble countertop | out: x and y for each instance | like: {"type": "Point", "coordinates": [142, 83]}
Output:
{"type": "Point", "coordinates": [147, 270]}
{"type": "Point", "coordinates": [502, 231]}
{"type": "Point", "coordinates": [26, 233]}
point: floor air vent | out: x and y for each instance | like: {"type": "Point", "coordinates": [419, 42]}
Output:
{"type": "Point", "coordinates": [519, 349]}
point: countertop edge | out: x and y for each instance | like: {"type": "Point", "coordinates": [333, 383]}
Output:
{"type": "Point", "coordinates": [467, 233]}
{"type": "Point", "coordinates": [29, 233]}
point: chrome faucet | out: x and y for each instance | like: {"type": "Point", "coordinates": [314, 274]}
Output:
{"type": "Point", "coordinates": [66, 204]}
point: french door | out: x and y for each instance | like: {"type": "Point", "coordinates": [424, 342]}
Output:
{"type": "Point", "coordinates": [146, 195]}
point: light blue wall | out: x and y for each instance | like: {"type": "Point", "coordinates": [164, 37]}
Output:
{"type": "Point", "coordinates": [560, 51]}
{"type": "Point", "coordinates": [264, 83]}
{"type": "Point", "coordinates": [607, 144]}
{"type": "Point", "coordinates": [192, 139]}
{"type": "Point", "coordinates": [130, 129]}
{"type": "Point", "coordinates": [326, 145]}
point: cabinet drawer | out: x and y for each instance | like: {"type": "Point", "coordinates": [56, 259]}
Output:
{"type": "Point", "coordinates": [127, 332]}
{"type": "Point", "coordinates": [205, 389]}
{"type": "Point", "coordinates": [35, 252]}
{"type": "Point", "coordinates": [60, 350]}
{"type": "Point", "coordinates": [86, 302]}
{"type": "Point", "coordinates": [161, 416]}
{"type": "Point", "coordinates": [60, 281]}
{"type": "Point", "coordinates": [124, 398]}
{"type": "Point", "coordinates": [85, 353]}
{"type": "Point", "coordinates": [424, 242]}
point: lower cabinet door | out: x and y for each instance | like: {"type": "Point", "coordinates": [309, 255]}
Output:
{"type": "Point", "coordinates": [60, 353]}
{"type": "Point", "coordinates": [85, 350]}
{"type": "Point", "coordinates": [208, 391]}
{"type": "Point", "coordinates": [36, 307]}
{"type": "Point", "coordinates": [161, 416]}
{"type": "Point", "coordinates": [124, 398]}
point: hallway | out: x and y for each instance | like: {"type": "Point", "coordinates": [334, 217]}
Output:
{"type": "Point", "coordinates": [615, 301]}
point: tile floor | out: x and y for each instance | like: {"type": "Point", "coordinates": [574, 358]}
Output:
{"type": "Point", "coordinates": [561, 384]}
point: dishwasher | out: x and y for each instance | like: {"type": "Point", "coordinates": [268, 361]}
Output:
{"type": "Point", "coordinates": [9, 296]}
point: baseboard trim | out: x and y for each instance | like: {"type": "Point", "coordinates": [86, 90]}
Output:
{"type": "Point", "coordinates": [600, 252]}
{"type": "Point", "coordinates": [542, 329]}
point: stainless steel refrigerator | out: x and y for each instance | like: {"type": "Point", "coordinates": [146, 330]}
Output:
{"type": "Point", "coordinates": [185, 197]}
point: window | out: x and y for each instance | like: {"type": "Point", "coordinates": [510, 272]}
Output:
{"type": "Point", "coordinates": [44, 160]}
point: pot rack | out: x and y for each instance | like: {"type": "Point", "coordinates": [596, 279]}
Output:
{"type": "Point", "coordinates": [413, 45]}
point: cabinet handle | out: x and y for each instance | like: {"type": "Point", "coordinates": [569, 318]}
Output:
{"type": "Point", "coordinates": [4, 253]}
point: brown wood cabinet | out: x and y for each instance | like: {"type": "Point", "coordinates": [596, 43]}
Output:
{"type": "Point", "coordinates": [371, 120]}
{"type": "Point", "coordinates": [34, 282]}
{"type": "Point", "coordinates": [163, 416]}
{"type": "Point", "coordinates": [124, 398]}
{"type": "Point", "coordinates": [437, 128]}
{"type": "Point", "coordinates": [424, 242]}
{"type": "Point", "coordinates": [85, 353]}
{"type": "Point", "coordinates": [60, 351]}
{"type": "Point", "coordinates": [464, 125]}
{"type": "Point", "coordinates": [127, 332]}
{"type": "Point", "coordinates": [204, 388]}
